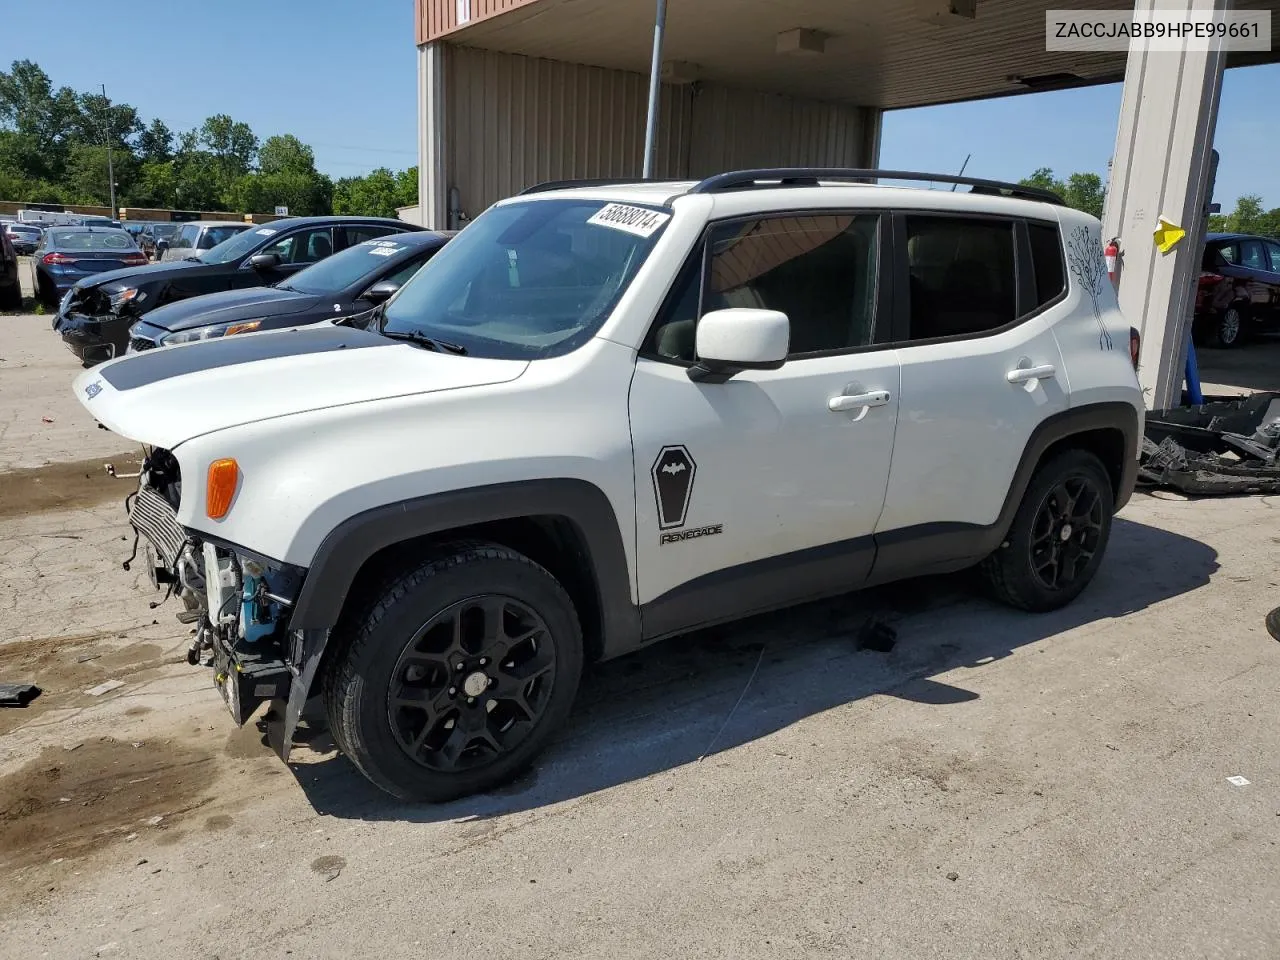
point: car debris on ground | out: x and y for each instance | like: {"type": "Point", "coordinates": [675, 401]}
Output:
{"type": "Point", "coordinates": [17, 694]}
{"type": "Point", "coordinates": [1225, 446]}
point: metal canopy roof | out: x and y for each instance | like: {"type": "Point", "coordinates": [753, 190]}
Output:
{"type": "Point", "coordinates": [878, 53]}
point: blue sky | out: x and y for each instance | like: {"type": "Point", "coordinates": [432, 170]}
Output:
{"type": "Point", "coordinates": [342, 76]}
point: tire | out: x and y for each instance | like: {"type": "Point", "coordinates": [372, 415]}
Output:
{"type": "Point", "coordinates": [1228, 330]}
{"type": "Point", "coordinates": [1022, 571]}
{"type": "Point", "coordinates": [46, 292]}
{"type": "Point", "coordinates": [11, 296]}
{"type": "Point", "coordinates": [402, 711]}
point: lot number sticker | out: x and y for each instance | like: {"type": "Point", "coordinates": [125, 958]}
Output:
{"type": "Point", "coordinates": [637, 220]}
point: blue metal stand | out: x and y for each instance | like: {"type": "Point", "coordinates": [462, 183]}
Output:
{"type": "Point", "coordinates": [1193, 377]}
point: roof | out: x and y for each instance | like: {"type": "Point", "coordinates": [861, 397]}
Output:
{"type": "Point", "coordinates": [1213, 237]}
{"type": "Point", "coordinates": [286, 222]}
{"type": "Point", "coordinates": [87, 228]}
{"type": "Point", "coordinates": [866, 187]}
{"type": "Point", "coordinates": [210, 223]}
{"type": "Point", "coordinates": [865, 52]}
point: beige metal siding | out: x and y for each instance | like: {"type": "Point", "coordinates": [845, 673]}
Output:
{"type": "Point", "coordinates": [515, 121]}
{"type": "Point", "coordinates": [733, 129]}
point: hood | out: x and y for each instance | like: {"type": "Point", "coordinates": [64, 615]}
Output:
{"type": "Point", "coordinates": [228, 306]}
{"type": "Point", "coordinates": [148, 274]}
{"type": "Point", "coordinates": [164, 397]}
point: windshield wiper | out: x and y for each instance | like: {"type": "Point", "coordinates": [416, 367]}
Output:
{"type": "Point", "coordinates": [422, 340]}
{"type": "Point", "coordinates": [193, 259]}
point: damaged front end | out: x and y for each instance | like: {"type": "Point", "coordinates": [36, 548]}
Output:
{"type": "Point", "coordinates": [94, 321]}
{"type": "Point", "coordinates": [238, 602]}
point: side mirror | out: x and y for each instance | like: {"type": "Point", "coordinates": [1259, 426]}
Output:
{"type": "Point", "coordinates": [264, 261]}
{"type": "Point", "coordinates": [162, 245]}
{"type": "Point", "coordinates": [740, 338]}
{"type": "Point", "coordinates": [380, 292]}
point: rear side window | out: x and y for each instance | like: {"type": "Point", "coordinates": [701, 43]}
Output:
{"type": "Point", "coordinates": [188, 237]}
{"type": "Point", "coordinates": [1046, 260]}
{"type": "Point", "coordinates": [962, 279]}
{"type": "Point", "coordinates": [365, 231]}
{"type": "Point", "coordinates": [1252, 256]}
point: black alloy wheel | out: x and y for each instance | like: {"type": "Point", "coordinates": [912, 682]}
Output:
{"type": "Point", "coordinates": [472, 683]}
{"type": "Point", "coordinates": [1066, 532]}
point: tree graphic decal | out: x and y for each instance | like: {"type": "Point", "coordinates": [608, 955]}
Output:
{"type": "Point", "coordinates": [1085, 260]}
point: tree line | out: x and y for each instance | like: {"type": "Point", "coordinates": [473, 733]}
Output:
{"type": "Point", "coordinates": [54, 144]}
{"type": "Point", "coordinates": [1085, 191]}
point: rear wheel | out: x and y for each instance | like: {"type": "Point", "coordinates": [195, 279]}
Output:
{"type": "Point", "coordinates": [1229, 329]}
{"type": "Point", "coordinates": [1058, 536]}
{"type": "Point", "coordinates": [457, 674]}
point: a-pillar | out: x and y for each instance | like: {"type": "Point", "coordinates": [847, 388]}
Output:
{"type": "Point", "coordinates": [1161, 168]}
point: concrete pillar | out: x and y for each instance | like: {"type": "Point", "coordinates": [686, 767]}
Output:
{"type": "Point", "coordinates": [432, 175]}
{"type": "Point", "coordinates": [1161, 167]}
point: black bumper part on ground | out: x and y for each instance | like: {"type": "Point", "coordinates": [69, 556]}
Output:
{"type": "Point", "coordinates": [1228, 445]}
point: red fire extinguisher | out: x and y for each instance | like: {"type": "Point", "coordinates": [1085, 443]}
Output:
{"type": "Point", "coordinates": [1112, 254]}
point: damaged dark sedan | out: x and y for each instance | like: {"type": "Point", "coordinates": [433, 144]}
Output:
{"type": "Point", "coordinates": [348, 283]}
{"type": "Point", "coordinates": [95, 315]}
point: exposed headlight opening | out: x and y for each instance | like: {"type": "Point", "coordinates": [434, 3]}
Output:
{"type": "Point", "coordinates": [125, 296]}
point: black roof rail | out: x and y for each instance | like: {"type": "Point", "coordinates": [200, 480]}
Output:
{"type": "Point", "coordinates": [597, 182]}
{"type": "Point", "coordinates": [811, 176]}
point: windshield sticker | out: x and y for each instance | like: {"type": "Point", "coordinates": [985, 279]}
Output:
{"type": "Point", "coordinates": [266, 232]}
{"type": "Point", "coordinates": [637, 220]}
{"type": "Point", "coordinates": [385, 251]}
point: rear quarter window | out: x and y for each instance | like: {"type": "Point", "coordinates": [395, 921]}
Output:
{"type": "Point", "coordinates": [1046, 260]}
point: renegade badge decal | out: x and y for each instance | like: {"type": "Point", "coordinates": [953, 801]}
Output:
{"type": "Point", "coordinates": [93, 389]}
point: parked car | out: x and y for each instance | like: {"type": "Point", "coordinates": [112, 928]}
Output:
{"type": "Point", "coordinates": [348, 283]}
{"type": "Point", "coordinates": [24, 236]}
{"type": "Point", "coordinates": [94, 319]}
{"type": "Point", "coordinates": [1239, 289]}
{"type": "Point", "coordinates": [199, 235]}
{"type": "Point", "coordinates": [153, 233]}
{"type": "Point", "coordinates": [606, 415]}
{"type": "Point", "coordinates": [10, 284]}
{"type": "Point", "coordinates": [67, 255]}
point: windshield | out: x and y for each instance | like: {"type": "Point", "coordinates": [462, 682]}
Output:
{"type": "Point", "coordinates": [343, 269]}
{"type": "Point", "coordinates": [233, 248]}
{"type": "Point", "coordinates": [529, 279]}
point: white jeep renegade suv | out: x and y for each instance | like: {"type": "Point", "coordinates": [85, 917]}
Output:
{"type": "Point", "coordinates": [609, 413]}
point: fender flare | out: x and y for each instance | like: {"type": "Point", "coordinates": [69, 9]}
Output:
{"type": "Point", "coordinates": [353, 542]}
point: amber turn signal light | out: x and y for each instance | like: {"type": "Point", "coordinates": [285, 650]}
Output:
{"type": "Point", "coordinates": [224, 475]}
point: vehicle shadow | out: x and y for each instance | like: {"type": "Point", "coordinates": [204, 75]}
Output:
{"type": "Point", "coordinates": [695, 696]}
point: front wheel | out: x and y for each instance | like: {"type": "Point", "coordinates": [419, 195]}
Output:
{"type": "Point", "coordinates": [457, 675]}
{"type": "Point", "coordinates": [1058, 536]}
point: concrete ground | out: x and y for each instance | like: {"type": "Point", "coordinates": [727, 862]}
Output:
{"type": "Point", "coordinates": [999, 785]}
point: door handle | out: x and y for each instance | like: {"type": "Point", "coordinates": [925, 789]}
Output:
{"type": "Point", "coordinates": [843, 402]}
{"type": "Point", "coordinates": [1023, 374]}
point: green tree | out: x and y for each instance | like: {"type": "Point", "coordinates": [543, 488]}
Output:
{"type": "Point", "coordinates": [233, 144]}
{"type": "Point", "coordinates": [286, 153]}
{"type": "Point", "coordinates": [1247, 216]}
{"type": "Point", "coordinates": [375, 195]}
{"type": "Point", "coordinates": [1083, 191]}
{"type": "Point", "coordinates": [155, 143]}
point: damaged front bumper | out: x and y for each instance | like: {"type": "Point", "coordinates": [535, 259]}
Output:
{"type": "Point", "coordinates": [1226, 446]}
{"type": "Point", "coordinates": [239, 603]}
{"type": "Point", "coordinates": [90, 328]}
